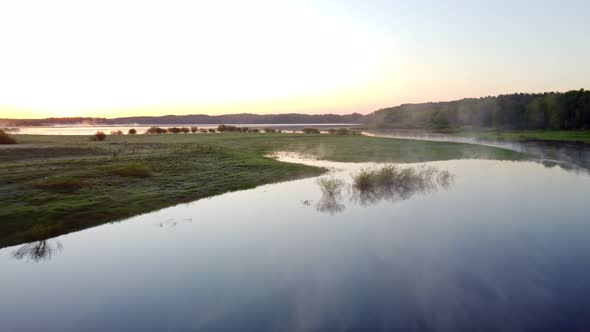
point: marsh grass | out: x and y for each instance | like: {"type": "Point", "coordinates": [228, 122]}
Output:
{"type": "Point", "coordinates": [330, 185]}
{"type": "Point", "coordinates": [394, 183]}
{"type": "Point", "coordinates": [63, 184]}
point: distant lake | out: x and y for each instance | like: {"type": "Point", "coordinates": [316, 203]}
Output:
{"type": "Point", "coordinates": [89, 130]}
{"type": "Point", "coordinates": [504, 247]}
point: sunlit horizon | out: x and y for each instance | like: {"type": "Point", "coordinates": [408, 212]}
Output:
{"type": "Point", "coordinates": [132, 58]}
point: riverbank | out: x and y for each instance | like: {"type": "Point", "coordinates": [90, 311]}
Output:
{"type": "Point", "coordinates": [555, 136]}
{"type": "Point", "coordinates": [51, 185]}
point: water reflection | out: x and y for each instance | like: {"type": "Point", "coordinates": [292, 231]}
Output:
{"type": "Point", "coordinates": [38, 251]}
{"type": "Point", "coordinates": [387, 183]}
{"type": "Point", "coordinates": [330, 202]}
{"type": "Point", "coordinates": [505, 249]}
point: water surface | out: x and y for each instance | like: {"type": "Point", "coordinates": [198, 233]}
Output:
{"type": "Point", "coordinates": [504, 248]}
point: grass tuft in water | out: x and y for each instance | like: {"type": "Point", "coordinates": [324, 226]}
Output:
{"type": "Point", "coordinates": [393, 182]}
{"type": "Point", "coordinates": [330, 186]}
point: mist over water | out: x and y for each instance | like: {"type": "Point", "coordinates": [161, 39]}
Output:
{"type": "Point", "coordinates": [503, 248]}
{"type": "Point", "coordinates": [567, 155]}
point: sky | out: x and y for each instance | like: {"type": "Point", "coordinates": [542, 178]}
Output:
{"type": "Point", "coordinates": [124, 58]}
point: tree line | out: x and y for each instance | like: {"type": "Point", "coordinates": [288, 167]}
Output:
{"type": "Point", "coordinates": [551, 110]}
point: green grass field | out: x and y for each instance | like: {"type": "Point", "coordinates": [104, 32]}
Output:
{"type": "Point", "coordinates": [52, 185]}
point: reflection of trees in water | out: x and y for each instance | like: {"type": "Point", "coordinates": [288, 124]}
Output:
{"type": "Point", "coordinates": [389, 183]}
{"type": "Point", "coordinates": [38, 251]}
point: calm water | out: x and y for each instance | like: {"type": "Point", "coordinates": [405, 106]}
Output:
{"type": "Point", "coordinates": [504, 247]}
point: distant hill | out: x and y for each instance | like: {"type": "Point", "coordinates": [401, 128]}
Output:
{"type": "Point", "coordinates": [551, 110]}
{"type": "Point", "coordinates": [244, 118]}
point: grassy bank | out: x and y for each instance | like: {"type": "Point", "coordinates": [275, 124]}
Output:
{"type": "Point", "coordinates": [51, 185]}
{"type": "Point", "coordinates": [567, 136]}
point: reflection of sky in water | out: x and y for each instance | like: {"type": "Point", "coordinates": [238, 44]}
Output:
{"type": "Point", "coordinates": [504, 248]}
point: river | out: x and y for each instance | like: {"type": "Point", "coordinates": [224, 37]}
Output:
{"type": "Point", "coordinates": [502, 247]}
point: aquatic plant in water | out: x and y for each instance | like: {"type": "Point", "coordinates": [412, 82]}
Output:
{"type": "Point", "coordinates": [395, 183]}
{"type": "Point", "coordinates": [331, 195]}
{"type": "Point", "coordinates": [331, 186]}
{"type": "Point", "coordinates": [389, 182]}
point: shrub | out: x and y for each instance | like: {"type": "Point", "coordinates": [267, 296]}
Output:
{"type": "Point", "coordinates": [341, 131]}
{"type": "Point", "coordinates": [5, 138]}
{"type": "Point", "coordinates": [269, 130]}
{"type": "Point", "coordinates": [133, 169]}
{"type": "Point", "coordinates": [194, 129]}
{"type": "Point", "coordinates": [255, 130]}
{"type": "Point", "coordinates": [230, 129]}
{"type": "Point", "coordinates": [174, 130]}
{"type": "Point", "coordinates": [132, 131]}
{"type": "Point", "coordinates": [185, 130]}
{"type": "Point", "coordinates": [116, 133]}
{"type": "Point", "coordinates": [156, 130]}
{"type": "Point", "coordinates": [310, 131]}
{"type": "Point", "coordinates": [202, 130]}
{"type": "Point", "coordinates": [211, 130]}
{"type": "Point", "coordinates": [99, 136]}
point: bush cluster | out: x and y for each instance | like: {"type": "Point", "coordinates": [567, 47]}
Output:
{"type": "Point", "coordinates": [5, 138]}
{"type": "Point", "coordinates": [99, 136]}
{"type": "Point", "coordinates": [310, 131]}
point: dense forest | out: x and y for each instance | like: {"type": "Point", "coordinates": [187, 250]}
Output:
{"type": "Point", "coordinates": [553, 110]}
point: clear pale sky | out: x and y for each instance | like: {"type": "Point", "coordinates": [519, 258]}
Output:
{"type": "Point", "coordinates": [121, 58]}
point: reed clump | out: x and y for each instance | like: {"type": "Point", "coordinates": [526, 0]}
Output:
{"type": "Point", "coordinates": [330, 186]}
{"type": "Point", "coordinates": [394, 182]}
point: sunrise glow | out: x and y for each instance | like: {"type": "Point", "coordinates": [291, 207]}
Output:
{"type": "Point", "coordinates": [120, 58]}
